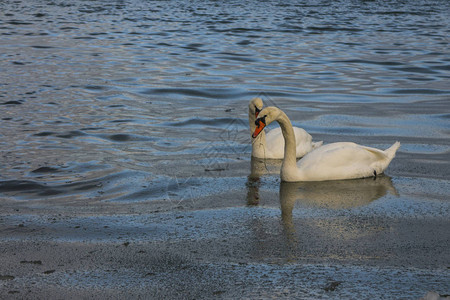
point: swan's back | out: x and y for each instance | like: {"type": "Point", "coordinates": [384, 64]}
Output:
{"type": "Point", "coordinates": [345, 161]}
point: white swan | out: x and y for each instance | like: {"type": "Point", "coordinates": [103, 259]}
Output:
{"type": "Point", "coordinates": [271, 145]}
{"type": "Point", "coordinates": [330, 162]}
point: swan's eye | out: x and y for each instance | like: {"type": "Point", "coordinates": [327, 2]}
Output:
{"type": "Point", "coordinates": [262, 119]}
{"type": "Point", "coordinates": [257, 110]}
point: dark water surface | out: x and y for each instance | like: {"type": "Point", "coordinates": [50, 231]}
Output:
{"type": "Point", "coordinates": [131, 116]}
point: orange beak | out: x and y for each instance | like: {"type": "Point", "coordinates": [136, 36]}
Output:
{"type": "Point", "coordinates": [259, 127]}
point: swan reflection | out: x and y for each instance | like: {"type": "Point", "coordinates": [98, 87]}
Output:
{"type": "Point", "coordinates": [310, 237]}
{"type": "Point", "coordinates": [336, 194]}
{"type": "Point", "coordinates": [259, 167]}
{"type": "Point", "coordinates": [333, 195]}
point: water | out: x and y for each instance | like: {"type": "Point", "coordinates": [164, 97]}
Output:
{"type": "Point", "coordinates": [140, 107]}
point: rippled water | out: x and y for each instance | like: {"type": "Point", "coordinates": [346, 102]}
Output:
{"type": "Point", "coordinates": [100, 99]}
{"type": "Point", "coordinates": [130, 106]}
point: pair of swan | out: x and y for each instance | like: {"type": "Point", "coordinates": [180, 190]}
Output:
{"type": "Point", "coordinates": [335, 161]}
{"type": "Point", "coordinates": [271, 144]}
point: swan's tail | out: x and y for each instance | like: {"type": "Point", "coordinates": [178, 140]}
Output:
{"type": "Point", "coordinates": [390, 152]}
{"type": "Point", "coordinates": [316, 144]}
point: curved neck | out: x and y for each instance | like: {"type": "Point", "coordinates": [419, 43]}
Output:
{"type": "Point", "coordinates": [259, 143]}
{"type": "Point", "coordinates": [290, 158]}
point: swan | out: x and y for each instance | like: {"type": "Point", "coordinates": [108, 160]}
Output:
{"type": "Point", "coordinates": [271, 145]}
{"type": "Point", "coordinates": [335, 161]}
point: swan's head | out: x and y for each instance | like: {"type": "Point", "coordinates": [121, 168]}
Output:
{"type": "Point", "coordinates": [266, 116]}
{"type": "Point", "coordinates": [255, 106]}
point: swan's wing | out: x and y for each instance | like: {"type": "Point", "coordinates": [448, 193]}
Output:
{"type": "Point", "coordinates": [303, 141]}
{"type": "Point", "coordinates": [377, 153]}
{"type": "Point", "coordinates": [275, 142]}
{"type": "Point", "coordinates": [274, 136]}
{"type": "Point", "coordinates": [301, 136]}
{"type": "Point", "coordinates": [341, 160]}
{"type": "Point", "coordinates": [343, 153]}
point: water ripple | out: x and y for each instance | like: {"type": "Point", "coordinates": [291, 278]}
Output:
{"type": "Point", "coordinates": [163, 88]}
{"type": "Point", "coordinates": [203, 93]}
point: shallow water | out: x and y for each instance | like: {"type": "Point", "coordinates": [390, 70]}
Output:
{"type": "Point", "coordinates": [140, 107]}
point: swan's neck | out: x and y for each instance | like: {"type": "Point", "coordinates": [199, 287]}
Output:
{"type": "Point", "coordinates": [289, 167]}
{"type": "Point", "coordinates": [289, 139]}
{"type": "Point", "coordinates": [259, 143]}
